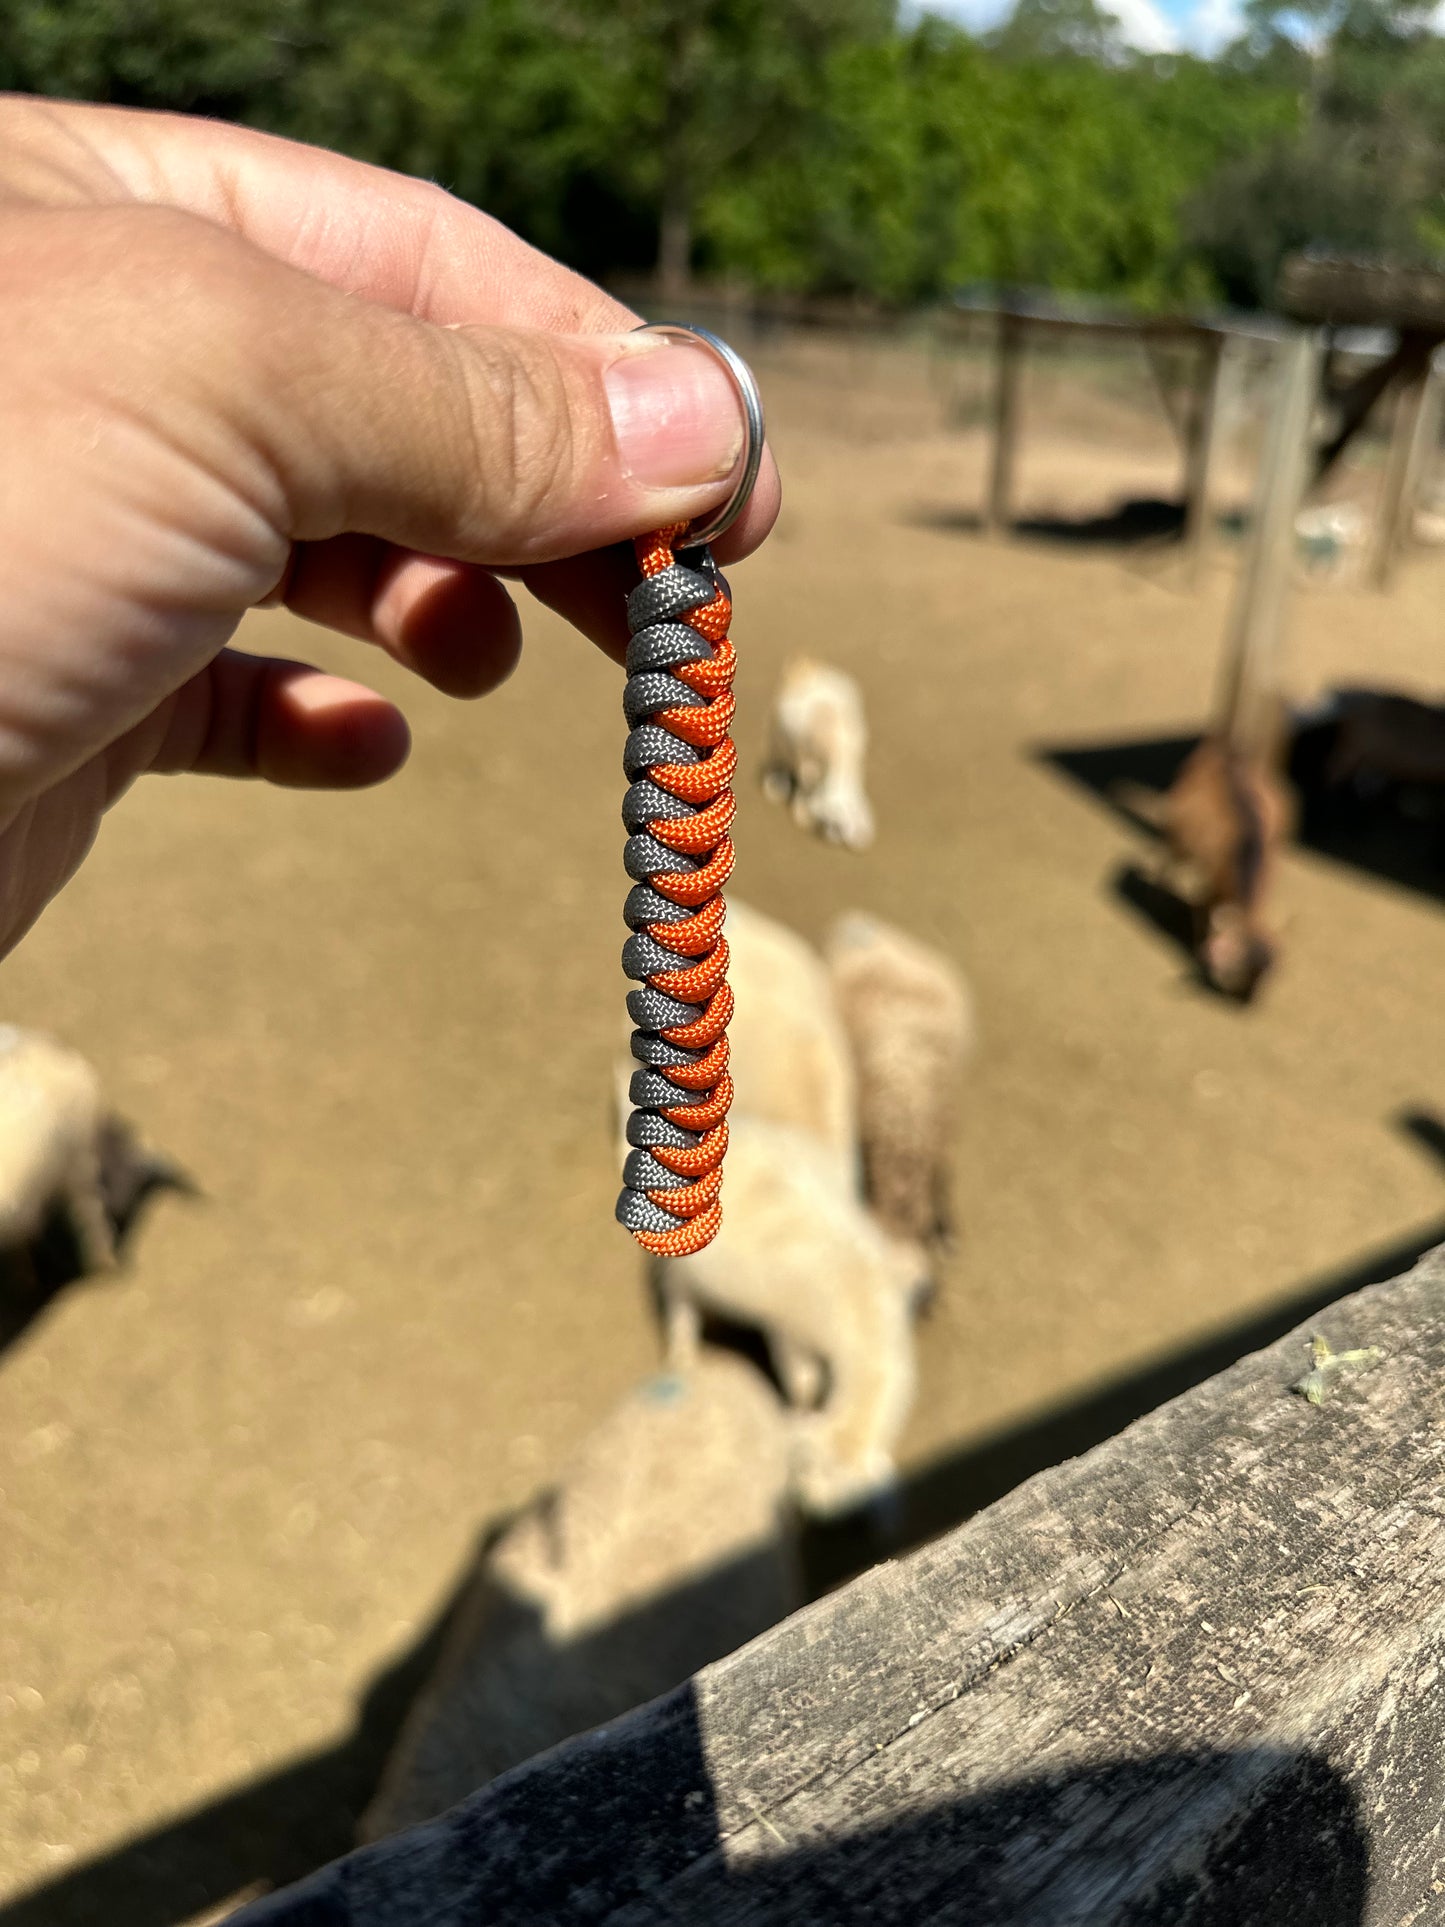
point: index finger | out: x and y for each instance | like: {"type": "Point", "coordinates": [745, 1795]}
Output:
{"type": "Point", "coordinates": [403, 242]}
{"type": "Point", "coordinates": [388, 237]}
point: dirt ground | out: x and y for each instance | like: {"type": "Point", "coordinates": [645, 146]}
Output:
{"type": "Point", "coordinates": [238, 1480]}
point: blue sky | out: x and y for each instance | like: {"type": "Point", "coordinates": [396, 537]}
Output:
{"type": "Point", "coordinates": [1158, 26]}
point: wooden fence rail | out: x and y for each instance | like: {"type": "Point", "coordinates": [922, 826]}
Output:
{"type": "Point", "coordinates": [1195, 1676]}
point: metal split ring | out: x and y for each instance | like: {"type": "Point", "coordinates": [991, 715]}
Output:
{"type": "Point", "coordinates": [709, 528]}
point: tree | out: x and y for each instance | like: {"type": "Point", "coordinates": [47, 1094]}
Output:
{"type": "Point", "coordinates": [711, 82]}
{"type": "Point", "coordinates": [1362, 172]}
{"type": "Point", "coordinates": [1060, 29]}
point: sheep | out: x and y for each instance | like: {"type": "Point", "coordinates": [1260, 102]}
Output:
{"type": "Point", "coordinates": [66, 1161]}
{"type": "Point", "coordinates": [789, 1053]}
{"type": "Point", "coordinates": [800, 1260]}
{"type": "Point", "coordinates": [909, 1018]}
{"type": "Point", "coordinates": [815, 756]}
{"type": "Point", "coordinates": [668, 1542]}
{"type": "Point", "coordinates": [1223, 816]}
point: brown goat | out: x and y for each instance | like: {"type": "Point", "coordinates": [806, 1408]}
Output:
{"type": "Point", "coordinates": [1222, 818]}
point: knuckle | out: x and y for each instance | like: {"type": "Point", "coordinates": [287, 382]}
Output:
{"type": "Point", "coordinates": [527, 420]}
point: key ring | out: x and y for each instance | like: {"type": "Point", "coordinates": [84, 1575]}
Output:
{"type": "Point", "coordinates": [745, 384]}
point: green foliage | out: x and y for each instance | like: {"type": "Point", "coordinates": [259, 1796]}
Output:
{"type": "Point", "coordinates": [1058, 29]}
{"type": "Point", "coordinates": [180, 54]}
{"type": "Point", "coordinates": [1364, 172]}
{"type": "Point", "coordinates": [821, 144]}
{"type": "Point", "coordinates": [937, 162]}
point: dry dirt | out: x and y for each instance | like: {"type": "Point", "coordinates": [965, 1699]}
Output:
{"type": "Point", "coordinates": [238, 1480]}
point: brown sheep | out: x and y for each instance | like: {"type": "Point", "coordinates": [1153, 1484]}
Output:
{"type": "Point", "coordinates": [909, 1018]}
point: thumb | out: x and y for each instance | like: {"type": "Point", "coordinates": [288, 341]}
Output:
{"type": "Point", "coordinates": [488, 445]}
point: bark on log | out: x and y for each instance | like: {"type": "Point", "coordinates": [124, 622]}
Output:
{"type": "Point", "coordinates": [1195, 1676]}
{"type": "Point", "coordinates": [1361, 294]}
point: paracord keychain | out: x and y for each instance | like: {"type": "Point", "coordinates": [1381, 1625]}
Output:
{"type": "Point", "coordinates": [679, 763]}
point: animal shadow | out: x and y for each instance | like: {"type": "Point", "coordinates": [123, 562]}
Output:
{"type": "Point", "coordinates": [1164, 909]}
{"type": "Point", "coordinates": [33, 1277]}
{"type": "Point", "coordinates": [1139, 522]}
{"type": "Point", "coordinates": [1395, 834]}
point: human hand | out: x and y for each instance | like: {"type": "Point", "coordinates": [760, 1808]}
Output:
{"type": "Point", "coordinates": [235, 370]}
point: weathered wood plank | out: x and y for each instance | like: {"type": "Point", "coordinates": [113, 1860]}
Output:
{"type": "Point", "coordinates": [1193, 1676]}
{"type": "Point", "coordinates": [1248, 706]}
{"type": "Point", "coordinates": [1347, 293]}
{"type": "Point", "coordinates": [1210, 415]}
{"type": "Point", "coordinates": [1415, 432]}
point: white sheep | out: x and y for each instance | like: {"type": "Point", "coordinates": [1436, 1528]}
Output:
{"type": "Point", "coordinates": [800, 1260]}
{"type": "Point", "coordinates": [790, 1058]}
{"type": "Point", "coordinates": [668, 1542]}
{"type": "Point", "coordinates": [909, 1016]}
{"type": "Point", "coordinates": [64, 1157]}
{"type": "Point", "coordinates": [815, 756]}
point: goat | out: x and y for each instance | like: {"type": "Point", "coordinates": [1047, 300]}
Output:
{"type": "Point", "coordinates": [1223, 817]}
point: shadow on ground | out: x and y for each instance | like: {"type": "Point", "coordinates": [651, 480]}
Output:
{"type": "Point", "coordinates": [1395, 834]}
{"type": "Point", "coordinates": [272, 1831]}
{"type": "Point", "coordinates": [33, 1278]}
{"type": "Point", "coordinates": [279, 1827]}
{"type": "Point", "coordinates": [1131, 524]}
{"type": "Point", "coordinates": [1192, 1838]}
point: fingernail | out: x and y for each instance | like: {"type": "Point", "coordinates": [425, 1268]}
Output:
{"type": "Point", "coordinates": [675, 416]}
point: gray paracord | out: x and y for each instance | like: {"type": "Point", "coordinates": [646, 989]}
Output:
{"type": "Point", "coordinates": [679, 762]}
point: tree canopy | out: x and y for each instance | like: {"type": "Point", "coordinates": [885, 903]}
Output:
{"type": "Point", "coordinates": [826, 145]}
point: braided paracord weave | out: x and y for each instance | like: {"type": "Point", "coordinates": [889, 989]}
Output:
{"type": "Point", "coordinates": [679, 763]}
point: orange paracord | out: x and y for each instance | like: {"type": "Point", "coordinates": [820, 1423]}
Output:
{"type": "Point", "coordinates": [679, 762]}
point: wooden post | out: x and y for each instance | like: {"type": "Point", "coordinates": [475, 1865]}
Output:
{"type": "Point", "coordinates": [1417, 427]}
{"type": "Point", "coordinates": [1208, 419]}
{"type": "Point", "coordinates": [1394, 505]}
{"type": "Point", "coordinates": [1008, 367]}
{"type": "Point", "coordinates": [1425, 449]}
{"type": "Point", "coordinates": [1250, 681]}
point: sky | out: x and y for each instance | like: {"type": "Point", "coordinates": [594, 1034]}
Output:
{"type": "Point", "coordinates": [1156, 26]}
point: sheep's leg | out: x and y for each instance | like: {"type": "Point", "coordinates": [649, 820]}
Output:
{"type": "Point", "coordinates": [808, 777]}
{"type": "Point", "coordinates": [804, 1375]}
{"type": "Point", "coordinates": [778, 782]}
{"type": "Point", "coordinates": [89, 1219]}
{"type": "Point", "coordinates": [681, 1325]}
{"type": "Point", "coordinates": [1167, 870]}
